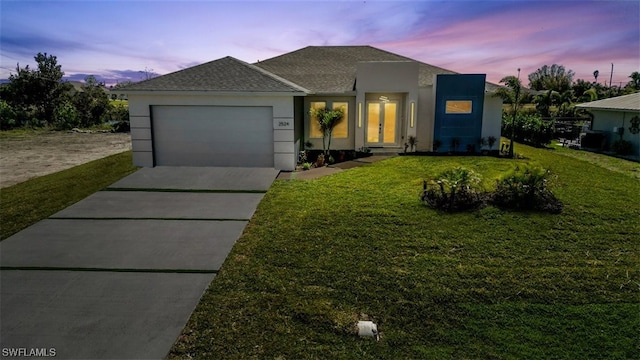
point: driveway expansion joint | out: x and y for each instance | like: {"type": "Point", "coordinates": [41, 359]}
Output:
{"type": "Point", "coordinates": [162, 271]}
{"type": "Point", "coordinates": [142, 219]}
{"type": "Point", "coordinates": [205, 191]}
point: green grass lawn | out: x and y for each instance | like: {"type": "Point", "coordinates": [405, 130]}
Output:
{"type": "Point", "coordinates": [320, 255]}
{"type": "Point", "coordinates": [28, 202]}
{"type": "Point", "coordinates": [612, 163]}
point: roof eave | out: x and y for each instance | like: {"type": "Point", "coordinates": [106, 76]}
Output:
{"type": "Point", "coordinates": [214, 92]}
{"type": "Point", "coordinates": [333, 93]}
{"type": "Point", "coordinates": [580, 106]}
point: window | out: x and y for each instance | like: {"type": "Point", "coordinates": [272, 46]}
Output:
{"type": "Point", "coordinates": [458, 106]}
{"type": "Point", "coordinates": [341, 131]}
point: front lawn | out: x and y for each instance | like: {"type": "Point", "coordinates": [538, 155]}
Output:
{"type": "Point", "coordinates": [320, 255]}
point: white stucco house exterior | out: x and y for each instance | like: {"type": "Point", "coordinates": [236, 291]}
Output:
{"type": "Point", "coordinates": [231, 113]}
{"type": "Point", "coordinates": [613, 116]}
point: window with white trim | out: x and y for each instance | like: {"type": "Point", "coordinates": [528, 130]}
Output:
{"type": "Point", "coordinates": [341, 131]}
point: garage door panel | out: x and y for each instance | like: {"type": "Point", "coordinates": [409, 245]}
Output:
{"type": "Point", "coordinates": [213, 136]}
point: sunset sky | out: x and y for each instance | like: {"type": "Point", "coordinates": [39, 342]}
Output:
{"type": "Point", "coordinates": [119, 40]}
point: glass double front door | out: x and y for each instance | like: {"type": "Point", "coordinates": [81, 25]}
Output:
{"type": "Point", "coordinates": [382, 122]}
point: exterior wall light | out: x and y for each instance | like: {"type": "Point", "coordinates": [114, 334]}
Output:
{"type": "Point", "coordinates": [413, 114]}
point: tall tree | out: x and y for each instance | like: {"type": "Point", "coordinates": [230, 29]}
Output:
{"type": "Point", "coordinates": [635, 80]}
{"type": "Point", "coordinates": [92, 103]}
{"type": "Point", "coordinates": [49, 75]}
{"type": "Point", "coordinates": [544, 101]}
{"type": "Point", "coordinates": [511, 91]}
{"type": "Point", "coordinates": [595, 75]}
{"type": "Point", "coordinates": [553, 77]}
{"type": "Point", "coordinates": [36, 93]}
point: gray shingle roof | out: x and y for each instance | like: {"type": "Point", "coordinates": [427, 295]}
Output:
{"type": "Point", "coordinates": [332, 69]}
{"type": "Point", "coordinates": [320, 69]}
{"type": "Point", "coordinates": [226, 74]}
{"type": "Point", "coordinates": [625, 102]}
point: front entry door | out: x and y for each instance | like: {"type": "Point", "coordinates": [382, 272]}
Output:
{"type": "Point", "coordinates": [382, 123]}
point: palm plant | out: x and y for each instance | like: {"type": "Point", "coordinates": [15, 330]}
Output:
{"type": "Point", "coordinates": [327, 120]}
{"type": "Point", "coordinates": [491, 141]}
{"type": "Point", "coordinates": [511, 92]}
{"type": "Point", "coordinates": [635, 80]}
{"type": "Point", "coordinates": [544, 101]}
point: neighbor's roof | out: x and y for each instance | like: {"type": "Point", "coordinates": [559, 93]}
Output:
{"type": "Point", "coordinates": [332, 69]}
{"type": "Point", "coordinates": [625, 102]}
{"type": "Point", "coordinates": [226, 75]}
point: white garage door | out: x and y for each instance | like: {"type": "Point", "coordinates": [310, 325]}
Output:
{"type": "Point", "coordinates": [213, 136]}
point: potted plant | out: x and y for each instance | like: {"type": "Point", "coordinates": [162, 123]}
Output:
{"type": "Point", "coordinates": [491, 141]}
{"type": "Point", "coordinates": [436, 145]}
{"type": "Point", "coordinates": [454, 144]}
{"type": "Point", "coordinates": [412, 142]}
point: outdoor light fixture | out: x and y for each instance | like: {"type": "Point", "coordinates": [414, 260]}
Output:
{"type": "Point", "coordinates": [368, 329]}
{"type": "Point", "coordinates": [413, 113]}
{"type": "Point", "coordinates": [359, 114]}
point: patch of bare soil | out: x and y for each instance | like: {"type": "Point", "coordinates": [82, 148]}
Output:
{"type": "Point", "coordinates": [23, 157]}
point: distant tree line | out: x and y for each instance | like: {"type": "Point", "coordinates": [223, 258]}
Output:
{"type": "Point", "coordinates": [552, 95]}
{"type": "Point", "coordinates": [39, 98]}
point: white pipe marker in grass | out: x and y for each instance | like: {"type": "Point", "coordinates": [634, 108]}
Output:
{"type": "Point", "coordinates": [368, 328]}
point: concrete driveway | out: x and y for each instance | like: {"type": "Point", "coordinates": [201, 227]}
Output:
{"type": "Point", "coordinates": [117, 275]}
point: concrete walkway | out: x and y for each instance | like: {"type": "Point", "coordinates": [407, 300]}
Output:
{"type": "Point", "coordinates": [117, 275]}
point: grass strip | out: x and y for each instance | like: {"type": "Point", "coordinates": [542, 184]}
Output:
{"type": "Point", "coordinates": [188, 190]}
{"type": "Point", "coordinates": [618, 165]}
{"type": "Point", "coordinates": [164, 271]}
{"type": "Point", "coordinates": [28, 202]}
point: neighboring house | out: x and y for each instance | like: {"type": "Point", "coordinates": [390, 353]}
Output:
{"type": "Point", "coordinates": [617, 118]}
{"type": "Point", "coordinates": [230, 113]}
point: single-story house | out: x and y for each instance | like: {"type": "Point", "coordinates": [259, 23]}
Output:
{"type": "Point", "coordinates": [617, 118]}
{"type": "Point", "coordinates": [230, 113]}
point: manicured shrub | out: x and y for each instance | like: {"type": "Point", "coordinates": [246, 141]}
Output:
{"type": "Point", "coordinates": [526, 188]}
{"type": "Point", "coordinates": [453, 190]}
{"type": "Point", "coordinates": [529, 128]}
{"type": "Point", "coordinates": [622, 147]}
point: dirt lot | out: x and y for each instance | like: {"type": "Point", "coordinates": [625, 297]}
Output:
{"type": "Point", "coordinates": [27, 155]}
